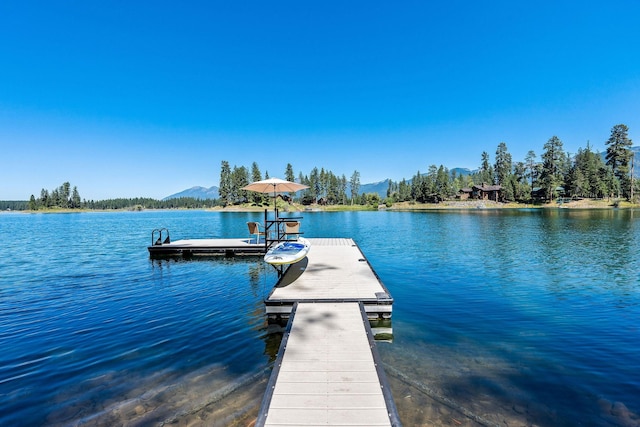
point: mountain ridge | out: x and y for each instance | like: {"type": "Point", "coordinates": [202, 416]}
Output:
{"type": "Point", "coordinates": [197, 192]}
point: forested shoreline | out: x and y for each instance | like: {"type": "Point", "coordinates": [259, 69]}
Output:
{"type": "Point", "coordinates": [57, 200]}
{"type": "Point", "coordinates": [137, 203]}
{"type": "Point", "coordinates": [555, 173]}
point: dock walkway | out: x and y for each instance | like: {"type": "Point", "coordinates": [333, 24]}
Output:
{"type": "Point", "coordinates": [334, 270]}
{"type": "Point", "coordinates": [327, 372]}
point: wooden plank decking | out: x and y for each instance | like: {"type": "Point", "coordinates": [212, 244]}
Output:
{"type": "Point", "coordinates": [334, 270]}
{"type": "Point", "coordinates": [190, 247]}
{"type": "Point", "coordinates": [327, 372]}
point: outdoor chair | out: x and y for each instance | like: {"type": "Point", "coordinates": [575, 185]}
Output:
{"type": "Point", "coordinates": [291, 229]}
{"type": "Point", "coordinates": [254, 229]}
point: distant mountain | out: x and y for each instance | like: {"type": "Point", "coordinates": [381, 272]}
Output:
{"type": "Point", "coordinates": [197, 192]}
{"type": "Point", "coordinates": [462, 171]}
{"type": "Point", "coordinates": [636, 154]}
{"type": "Point", "coordinates": [380, 187]}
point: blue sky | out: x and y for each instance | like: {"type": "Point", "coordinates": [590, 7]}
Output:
{"type": "Point", "coordinates": [127, 99]}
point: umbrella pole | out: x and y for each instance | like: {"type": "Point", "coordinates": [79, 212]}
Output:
{"type": "Point", "coordinates": [266, 231]}
{"type": "Point", "coordinates": [275, 206]}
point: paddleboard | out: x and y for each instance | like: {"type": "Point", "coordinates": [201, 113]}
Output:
{"type": "Point", "coordinates": [287, 252]}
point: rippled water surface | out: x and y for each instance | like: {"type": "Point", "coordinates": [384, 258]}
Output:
{"type": "Point", "coordinates": [500, 317]}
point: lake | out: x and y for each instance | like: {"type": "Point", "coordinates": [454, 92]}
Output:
{"type": "Point", "coordinates": [501, 317]}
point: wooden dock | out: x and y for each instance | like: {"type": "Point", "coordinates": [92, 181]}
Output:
{"type": "Point", "coordinates": [334, 270]}
{"type": "Point", "coordinates": [273, 231]}
{"type": "Point", "coordinates": [208, 247]}
{"type": "Point", "coordinates": [328, 372]}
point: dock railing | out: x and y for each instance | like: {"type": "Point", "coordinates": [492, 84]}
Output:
{"type": "Point", "coordinates": [159, 240]}
{"type": "Point", "coordinates": [275, 228]}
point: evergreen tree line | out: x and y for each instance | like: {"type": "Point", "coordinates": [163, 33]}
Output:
{"type": "Point", "coordinates": [65, 198]}
{"type": "Point", "coordinates": [324, 186]}
{"type": "Point", "coordinates": [556, 173]}
{"type": "Point", "coordinates": [13, 205]}
{"type": "Point", "coordinates": [62, 197]}
{"type": "Point", "coordinates": [140, 203]}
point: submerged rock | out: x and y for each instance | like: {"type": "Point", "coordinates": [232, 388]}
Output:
{"type": "Point", "coordinates": [619, 409]}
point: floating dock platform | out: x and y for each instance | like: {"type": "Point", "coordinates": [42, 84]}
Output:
{"type": "Point", "coordinates": [328, 371]}
{"type": "Point", "coordinates": [208, 247]}
{"type": "Point", "coordinates": [335, 270]}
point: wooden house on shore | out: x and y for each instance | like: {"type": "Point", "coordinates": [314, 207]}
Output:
{"type": "Point", "coordinates": [487, 192]}
{"type": "Point", "coordinates": [482, 192]}
{"type": "Point", "coordinates": [465, 193]}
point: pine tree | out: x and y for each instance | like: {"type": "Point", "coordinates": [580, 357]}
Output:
{"type": "Point", "coordinates": [343, 189]}
{"type": "Point", "coordinates": [33, 205]}
{"type": "Point", "coordinates": [429, 183]}
{"type": "Point", "coordinates": [521, 188]}
{"type": "Point", "coordinates": [65, 195]}
{"type": "Point", "coordinates": [257, 198]}
{"type": "Point", "coordinates": [239, 179]}
{"type": "Point", "coordinates": [288, 173]}
{"type": "Point", "coordinates": [289, 176]}
{"type": "Point", "coordinates": [75, 198]}
{"type": "Point", "coordinates": [417, 188]}
{"type": "Point", "coordinates": [503, 164]}
{"type": "Point", "coordinates": [442, 184]}
{"type": "Point", "coordinates": [530, 164]}
{"type": "Point", "coordinates": [225, 183]}
{"type": "Point", "coordinates": [355, 185]}
{"type": "Point", "coordinates": [619, 156]}
{"type": "Point", "coordinates": [323, 182]}
{"type": "Point", "coordinates": [486, 170]}
{"type": "Point", "coordinates": [314, 184]}
{"type": "Point", "coordinates": [553, 162]}
{"type": "Point", "coordinates": [45, 200]}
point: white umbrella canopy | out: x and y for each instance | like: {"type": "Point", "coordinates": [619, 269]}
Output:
{"type": "Point", "coordinates": [274, 185]}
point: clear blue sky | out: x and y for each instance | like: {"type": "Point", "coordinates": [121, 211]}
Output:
{"type": "Point", "coordinates": [146, 98]}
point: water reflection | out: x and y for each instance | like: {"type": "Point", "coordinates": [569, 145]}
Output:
{"type": "Point", "coordinates": [516, 309]}
{"type": "Point", "coordinates": [524, 317]}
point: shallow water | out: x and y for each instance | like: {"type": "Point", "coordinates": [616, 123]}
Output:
{"type": "Point", "coordinates": [500, 317]}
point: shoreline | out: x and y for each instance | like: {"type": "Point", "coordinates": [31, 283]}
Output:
{"type": "Point", "coordinates": [401, 206]}
{"type": "Point", "coordinates": [485, 204]}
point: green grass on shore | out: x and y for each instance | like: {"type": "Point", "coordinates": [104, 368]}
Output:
{"type": "Point", "coordinates": [402, 206]}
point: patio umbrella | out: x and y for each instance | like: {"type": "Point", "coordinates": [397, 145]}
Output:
{"type": "Point", "coordinates": [274, 185]}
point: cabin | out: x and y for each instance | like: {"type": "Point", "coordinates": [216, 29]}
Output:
{"type": "Point", "coordinates": [465, 193]}
{"type": "Point", "coordinates": [540, 193]}
{"type": "Point", "coordinates": [487, 192]}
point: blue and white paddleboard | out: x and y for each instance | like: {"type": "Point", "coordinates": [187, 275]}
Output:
{"type": "Point", "coordinates": [287, 252]}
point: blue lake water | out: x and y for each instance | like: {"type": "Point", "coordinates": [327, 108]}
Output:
{"type": "Point", "coordinates": [501, 317]}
